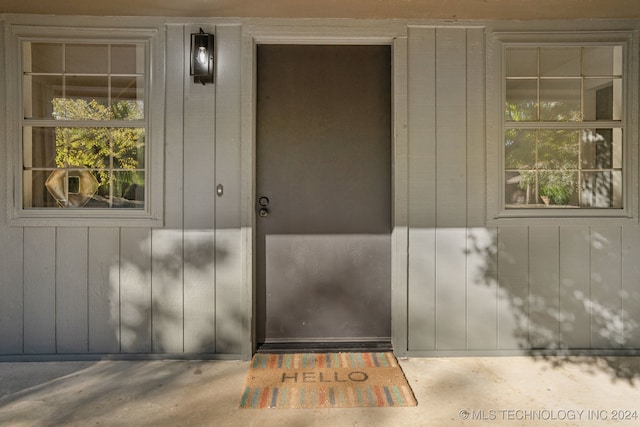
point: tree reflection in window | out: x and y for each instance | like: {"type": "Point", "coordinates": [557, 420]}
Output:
{"type": "Point", "coordinates": [113, 155]}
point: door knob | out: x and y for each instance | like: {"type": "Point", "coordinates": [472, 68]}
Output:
{"type": "Point", "coordinates": [263, 212]}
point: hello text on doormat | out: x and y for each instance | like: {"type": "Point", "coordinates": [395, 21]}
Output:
{"type": "Point", "coordinates": [326, 380]}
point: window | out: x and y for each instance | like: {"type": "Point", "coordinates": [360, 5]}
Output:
{"type": "Point", "coordinates": [562, 127]}
{"type": "Point", "coordinates": [85, 137]}
{"type": "Point", "coordinates": [83, 133]}
{"type": "Point", "coordinates": [564, 130]}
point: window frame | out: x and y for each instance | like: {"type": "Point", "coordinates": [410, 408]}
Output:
{"type": "Point", "coordinates": [152, 213]}
{"type": "Point", "coordinates": [498, 42]}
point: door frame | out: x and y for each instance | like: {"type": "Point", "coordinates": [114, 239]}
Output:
{"type": "Point", "coordinates": [392, 35]}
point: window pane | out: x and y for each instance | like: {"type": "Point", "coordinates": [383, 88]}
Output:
{"type": "Point", "coordinates": [560, 62]}
{"type": "Point", "coordinates": [128, 190]}
{"type": "Point", "coordinates": [39, 148]}
{"type": "Point", "coordinates": [87, 98]}
{"type": "Point", "coordinates": [560, 100]}
{"type": "Point", "coordinates": [522, 100]}
{"type": "Point", "coordinates": [520, 188]}
{"type": "Point", "coordinates": [601, 189]}
{"type": "Point", "coordinates": [558, 188]}
{"type": "Point", "coordinates": [601, 149]}
{"type": "Point", "coordinates": [127, 59]}
{"type": "Point", "coordinates": [558, 149]}
{"type": "Point", "coordinates": [602, 99]}
{"type": "Point", "coordinates": [44, 57]}
{"type": "Point", "coordinates": [86, 59]}
{"type": "Point", "coordinates": [127, 97]}
{"type": "Point", "coordinates": [39, 93]}
{"type": "Point", "coordinates": [86, 147]}
{"type": "Point", "coordinates": [522, 62]}
{"type": "Point", "coordinates": [35, 194]}
{"type": "Point", "coordinates": [602, 61]}
{"type": "Point", "coordinates": [520, 149]}
{"type": "Point", "coordinates": [128, 148]}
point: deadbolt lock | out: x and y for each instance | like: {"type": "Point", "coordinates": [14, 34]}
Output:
{"type": "Point", "coordinates": [263, 202]}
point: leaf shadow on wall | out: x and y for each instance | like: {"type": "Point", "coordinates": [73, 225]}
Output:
{"type": "Point", "coordinates": [169, 304]}
{"type": "Point", "coordinates": [564, 319]}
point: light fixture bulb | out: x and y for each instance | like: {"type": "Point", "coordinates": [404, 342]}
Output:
{"type": "Point", "coordinates": [202, 55]}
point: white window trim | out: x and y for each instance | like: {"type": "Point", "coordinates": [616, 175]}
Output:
{"type": "Point", "coordinates": [497, 214]}
{"type": "Point", "coordinates": [152, 214]}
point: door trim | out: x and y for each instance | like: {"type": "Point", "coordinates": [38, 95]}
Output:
{"type": "Point", "coordinates": [396, 38]}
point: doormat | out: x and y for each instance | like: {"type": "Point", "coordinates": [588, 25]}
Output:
{"type": "Point", "coordinates": [326, 380]}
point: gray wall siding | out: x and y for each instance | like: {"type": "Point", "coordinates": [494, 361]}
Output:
{"type": "Point", "coordinates": [176, 289]}
{"type": "Point", "coordinates": [459, 286]}
{"type": "Point", "coordinates": [501, 289]}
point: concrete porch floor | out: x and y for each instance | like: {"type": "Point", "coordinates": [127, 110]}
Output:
{"type": "Point", "coordinates": [459, 391]}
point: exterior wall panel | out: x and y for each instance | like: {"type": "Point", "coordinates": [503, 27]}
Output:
{"type": "Point", "coordinates": [228, 214]}
{"type": "Point", "coordinates": [575, 285]}
{"type": "Point", "coordinates": [135, 290]}
{"type": "Point", "coordinates": [460, 287]}
{"type": "Point", "coordinates": [40, 290]}
{"type": "Point", "coordinates": [72, 290]}
{"type": "Point", "coordinates": [104, 290]}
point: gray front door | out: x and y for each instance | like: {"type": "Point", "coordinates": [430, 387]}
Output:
{"type": "Point", "coordinates": [323, 187]}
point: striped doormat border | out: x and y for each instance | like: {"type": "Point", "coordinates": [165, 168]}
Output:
{"type": "Point", "coordinates": [326, 380]}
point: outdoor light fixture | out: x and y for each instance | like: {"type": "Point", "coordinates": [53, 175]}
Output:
{"type": "Point", "coordinates": [202, 57]}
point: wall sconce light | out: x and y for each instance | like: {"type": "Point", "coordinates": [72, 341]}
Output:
{"type": "Point", "coordinates": [202, 57]}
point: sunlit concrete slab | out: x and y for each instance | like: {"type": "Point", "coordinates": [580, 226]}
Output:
{"type": "Point", "coordinates": [502, 391]}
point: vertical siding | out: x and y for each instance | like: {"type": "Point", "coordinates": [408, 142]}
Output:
{"type": "Point", "coordinates": [167, 243]}
{"type": "Point", "coordinates": [11, 287]}
{"type": "Point", "coordinates": [421, 187]}
{"type": "Point", "coordinates": [175, 289]}
{"type": "Point", "coordinates": [575, 284]}
{"type": "Point", "coordinates": [475, 132]}
{"type": "Point", "coordinates": [513, 282]}
{"type": "Point", "coordinates": [482, 289]}
{"type": "Point", "coordinates": [446, 193]}
{"type": "Point", "coordinates": [544, 287]}
{"type": "Point", "coordinates": [512, 287]}
{"type": "Point", "coordinates": [631, 287]}
{"type": "Point", "coordinates": [39, 290]}
{"type": "Point", "coordinates": [451, 188]}
{"type": "Point", "coordinates": [451, 127]}
{"type": "Point", "coordinates": [178, 288]}
{"type": "Point", "coordinates": [605, 302]}
{"type": "Point", "coordinates": [104, 290]}
{"type": "Point", "coordinates": [72, 290]}
{"type": "Point", "coordinates": [135, 290]}
{"type": "Point", "coordinates": [228, 213]}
